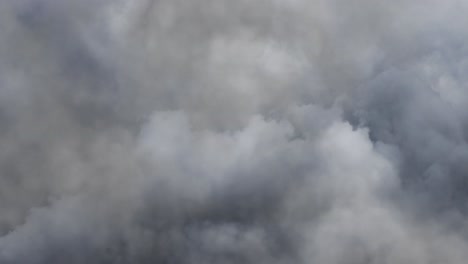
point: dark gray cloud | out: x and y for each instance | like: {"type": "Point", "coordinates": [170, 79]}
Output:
{"type": "Point", "coordinates": [233, 131]}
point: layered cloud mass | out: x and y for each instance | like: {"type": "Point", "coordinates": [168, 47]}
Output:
{"type": "Point", "coordinates": [229, 132]}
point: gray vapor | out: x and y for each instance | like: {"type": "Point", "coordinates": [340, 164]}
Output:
{"type": "Point", "coordinates": [233, 131]}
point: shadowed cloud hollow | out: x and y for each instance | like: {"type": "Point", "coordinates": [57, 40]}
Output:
{"type": "Point", "coordinates": [216, 131]}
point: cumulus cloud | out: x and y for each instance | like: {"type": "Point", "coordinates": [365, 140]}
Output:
{"type": "Point", "coordinates": [285, 131]}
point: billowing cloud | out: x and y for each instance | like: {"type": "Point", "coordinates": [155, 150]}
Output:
{"type": "Point", "coordinates": [285, 131]}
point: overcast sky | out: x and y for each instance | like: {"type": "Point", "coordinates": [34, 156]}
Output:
{"type": "Point", "coordinates": [233, 131]}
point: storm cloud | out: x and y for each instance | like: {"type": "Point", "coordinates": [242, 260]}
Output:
{"type": "Point", "coordinates": [216, 131]}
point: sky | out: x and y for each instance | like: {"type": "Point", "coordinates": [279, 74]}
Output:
{"type": "Point", "coordinates": [248, 131]}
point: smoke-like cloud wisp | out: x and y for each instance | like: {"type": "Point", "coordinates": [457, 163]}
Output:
{"type": "Point", "coordinates": [216, 131]}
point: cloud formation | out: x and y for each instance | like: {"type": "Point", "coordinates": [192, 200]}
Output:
{"type": "Point", "coordinates": [265, 131]}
